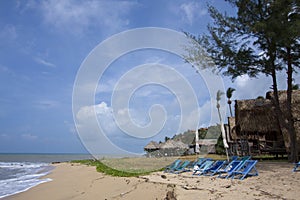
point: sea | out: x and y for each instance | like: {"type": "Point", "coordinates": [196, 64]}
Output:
{"type": "Point", "coordinates": [20, 172]}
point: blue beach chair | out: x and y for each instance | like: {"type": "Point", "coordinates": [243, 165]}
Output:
{"type": "Point", "coordinates": [296, 166]}
{"type": "Point", "coordinates": [226, 171]}
{"type": "Point", "coordinates": [181, 168]}
{"type": "Point", "coordinates": [202, 161]}
{"type": "Point", "coordinates": [214, 168]}
{"type": "Point", "coordinates": [246, 169]}
{"type": "Point", "coordinates": [192, 164]}
{"type": "Point", "coordinates": [173, 165]}
{"type": "Point", "coordinates": [200, 169]}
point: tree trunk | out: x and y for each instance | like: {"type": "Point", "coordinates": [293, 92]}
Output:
{"type": "Point", "coordinates": [289, 115]}
{"type": "Point", "coordinates": [275, 99]}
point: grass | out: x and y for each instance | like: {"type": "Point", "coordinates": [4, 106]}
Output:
{"type": "Point", "coordinates": [136, 166]}
{"type": "Point", "coordinates": [100, 167]}
{"type": "Point", "coordinates": [139, 166]}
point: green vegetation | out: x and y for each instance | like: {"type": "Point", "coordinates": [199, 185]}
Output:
{"type": "Point", "coordinates": [213, 132]}
{"type": "Point", "coordinates": [100, 167]}
{"type": "Point", "coordinates": [220, 150]}
{"type": "Point", "coordinates": [261, 38]}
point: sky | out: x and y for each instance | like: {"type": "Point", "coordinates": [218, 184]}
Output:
{"type": "Point", "coordinates": [44, 44]}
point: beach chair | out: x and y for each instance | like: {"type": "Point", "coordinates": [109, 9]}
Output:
{"type": "Point", "coordinates": [181, 168]}
{"type": "Point", "coordinates": [214, 168]}
{"type": "Point", "coordinates": [226, 171]}
{"type": "Point", "coordinates": [172, 166]}
{"type": "Point", "coordinates": [200, 169]}
{"type": "Point", "coordinates": [296, 166]}
{"type": "Point", "coordinates": [244, 158]}
{"type": "Point", "coordinates": [197, 161]}
{"type": "Point", "coordinates": [246, 169]}
{"type": "Point", "coordinates": [234, 157]}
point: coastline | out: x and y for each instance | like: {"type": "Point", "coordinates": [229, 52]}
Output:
{"type": "Point", "coordinates": [77, 181]}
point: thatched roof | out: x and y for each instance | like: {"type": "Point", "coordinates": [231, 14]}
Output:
{"type": "Point", "coordinates": [255, 115]}
{"type": "Point", "coordinates": [171, 144]}
{"type": "Point", "coordinates": [295, 101]}
{"type": "Point", "coordinates": [295, 113]}
{"type": "Point", "coordinates": [152, 146]}
{"type": "Point", "coordinates": [258, 115]}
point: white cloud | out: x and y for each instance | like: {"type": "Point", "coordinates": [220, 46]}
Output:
{"type": "Point", "coordinates": [76, 16]}
{"type": "Point", "coordinates": [44, 62]}
{"type": "Point", "coordinates": [192, 11]}
{"type": "Point", "coordinates": [242, 81]}
{"type": "Point", "coordinates": [103, 113]}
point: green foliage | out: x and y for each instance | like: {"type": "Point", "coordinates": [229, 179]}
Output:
{"type": "Point", "coordinates": [108, 170]}
{"type": "Point", "coordinates": [295, 87]}
{"type": "Point", "coordinates": [166, 138]}
{"type": "Point", "coordinates": [213, 132]}
{"type": "Point", "coordinates": [220, 146]}
{"type": "Point", "coordinates": [219, 95]}
{"type": "Point", "coordinates": [229, 92]}
{"type": "Point", "coordinates": [251, 42]}
{"type": "Point", "coordinates": [262, 38]}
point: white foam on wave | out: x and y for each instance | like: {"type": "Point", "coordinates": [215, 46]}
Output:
{"type": "Point", "coordinates": [23, 177]}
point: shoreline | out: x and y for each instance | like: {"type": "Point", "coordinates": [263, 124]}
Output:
{"type": "Point", "coordinates": [76, 181]}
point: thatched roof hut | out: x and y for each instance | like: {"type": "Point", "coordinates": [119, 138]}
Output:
{"type": "Point", "coordinates": [171, 144]}
{"type": "Point", "coordinates": [151, 146]}
{"type": "Point", "coordinates": [256, 118]}
{"type": "Point", "coordinates": [295, 112]}
{"type": "Point", "coordinates": [255, 115]}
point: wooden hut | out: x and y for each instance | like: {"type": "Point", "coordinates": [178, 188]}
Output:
{"type": "Point", "coordinates": [295, 113]}
{"type": "Point", "coordinates": [173, 148]}
{"type": "Point", "coordinates": [257, 127]}
{"type": "Point", "coordinates": [152, 149]}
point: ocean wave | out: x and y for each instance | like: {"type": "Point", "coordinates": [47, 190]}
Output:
{"type": "Point", "coordinates": [16, 177]}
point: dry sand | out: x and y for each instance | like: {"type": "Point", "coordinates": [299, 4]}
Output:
{"type": "Point", "coordinates": [75, 181]}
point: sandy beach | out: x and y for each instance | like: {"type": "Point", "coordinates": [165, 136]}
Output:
{"type": "Point", "coordinates": [77, 181]}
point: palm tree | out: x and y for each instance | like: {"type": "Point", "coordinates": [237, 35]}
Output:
{"type": "Point", "coordinates": [229, 95]}
{"type": "Point", "coordinates": [219, 95]}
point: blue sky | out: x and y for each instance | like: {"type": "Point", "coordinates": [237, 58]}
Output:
{"type": "Point", "coordinates": [44, 43]}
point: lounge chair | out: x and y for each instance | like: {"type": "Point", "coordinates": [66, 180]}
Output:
{"type": "Point", "coordinates": [244, 158]}
{"type": "Point", "coordinates": [229, 169]}
{"type": "Point", "coordinates": [246, 169]}
{"type": "Point", "coordinates": [181, 168]}
{"type": "Point", "coordinates": [296, 166]}
{"type": "Point", "coordinates": [214, 168]}
{"type": "Point", "coordinates": [234, 157]}
{"type": "Point", "coordinates": [200, 169]}
{"type": "Point", "coordinates": [172, 166]}
{"type": "Point", "coordinates": [197, 161]}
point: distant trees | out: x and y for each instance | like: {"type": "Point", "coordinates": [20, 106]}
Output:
{"type": "Point", "coordinates": [263, 37]}
{"type": "Point", "coordinates": [166, 138]}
